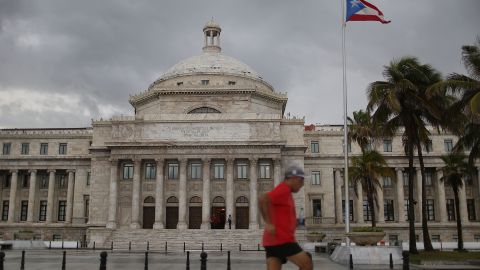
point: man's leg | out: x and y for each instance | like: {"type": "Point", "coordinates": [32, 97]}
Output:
{"type": "Point", "coordinates": [274, 263]}
{"type": "Point", "coordinates": [302, 260]}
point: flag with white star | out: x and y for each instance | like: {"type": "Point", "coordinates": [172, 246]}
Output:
{"type": "Point", "coordinates": [361, 10]}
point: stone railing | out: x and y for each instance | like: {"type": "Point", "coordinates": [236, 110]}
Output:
{"type": "Point", "coordinates": [319, 220]}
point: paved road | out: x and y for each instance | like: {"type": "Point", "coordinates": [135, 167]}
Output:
{"type": "Point", "coordinates": [82, 259]}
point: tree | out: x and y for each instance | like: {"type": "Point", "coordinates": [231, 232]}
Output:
{"type": "Point", "coordinates": [455, 169]}
{"type": "Point", "coordinates": [401, 101]}
{"type": "Point", "coordinates": [367, 169]}
{"type": "Point", "coordinates": [361, 129]}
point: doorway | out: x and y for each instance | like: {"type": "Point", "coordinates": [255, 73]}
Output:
{"type": "Point", "coordinates": [148, 217]}
{"type": "Point", "coordinates": [217, 218]}
{"type": "Point", "coordinates": [242, 213]}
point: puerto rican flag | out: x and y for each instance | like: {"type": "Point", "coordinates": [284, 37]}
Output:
{"type": "Point", "coordinates": [360, 10]}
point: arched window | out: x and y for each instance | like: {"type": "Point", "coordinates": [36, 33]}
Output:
{"type": "Point", "coordinates": [218, 199]}
{"type": "Point", "coordinates": [242, 199]}
{"type": "Point", "coordinates": [172, 199]}
{"type": "Point", "coordinates": [149, 199]}
{"type": "Point", "coordinates": [204, 110]}
{"type": "Point", "coordinates": [195, 199]}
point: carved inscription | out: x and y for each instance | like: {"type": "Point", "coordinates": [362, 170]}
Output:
{"type": "Point", "coordinates": [195, 131]}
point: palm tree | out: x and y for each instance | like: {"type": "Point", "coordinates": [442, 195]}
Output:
{"type": "Point", "coordinates": [455, 169]}
{"type": "Point", "coordinates": [401, 101]}
{"type": "Point", "coordinates": [367, 169]}
{"type": "Point", "coordinates": [361, 129]}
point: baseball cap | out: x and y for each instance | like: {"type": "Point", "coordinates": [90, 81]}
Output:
{"type": "Point", "coordinates": [294, 171]}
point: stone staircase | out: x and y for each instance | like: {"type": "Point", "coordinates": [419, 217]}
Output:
{"type": "Point", "coordinates": [193, 239]}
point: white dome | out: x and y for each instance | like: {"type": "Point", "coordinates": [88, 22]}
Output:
{"type": "Point", "coordinates": [211, 63]}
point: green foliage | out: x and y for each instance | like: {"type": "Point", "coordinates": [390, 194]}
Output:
{"type": "Point", "coordinates": [367, 229]}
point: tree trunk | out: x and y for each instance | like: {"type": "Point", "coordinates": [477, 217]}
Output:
{"type": "Point", "coordinates": [426, 235]}
{"type": "Point", "coordinates": [459, 220]}
{"type": "Point", "coordinates": [371, 204]}
{"type": "Point", "coordinates": [411, 212]}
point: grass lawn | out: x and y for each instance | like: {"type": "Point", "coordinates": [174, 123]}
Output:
{"type": "Point", "coordinates": [444, 256]}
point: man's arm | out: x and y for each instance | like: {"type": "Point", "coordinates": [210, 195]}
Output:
{"type": "Point", "coordinates": [263, 203]}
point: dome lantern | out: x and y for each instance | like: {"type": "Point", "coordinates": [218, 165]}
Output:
{"type": "Point", "coordinates": [211, 33]}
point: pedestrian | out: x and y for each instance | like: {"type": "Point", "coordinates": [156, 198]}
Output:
{"type": "Point", "coordinates": [229, 221]}
{"type": "Point", "coordinates": [278, 211]}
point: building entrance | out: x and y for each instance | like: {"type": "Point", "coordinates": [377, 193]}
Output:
{"type": "Point", "coordinates": [171, 216]}
{"type": "Point", "coordinates": [148, 217]}
{"type": "Point", "coordinates": [217, 218]}
{"type": "Point", "coordinates": [194, 217]}
{"type": "Point", "coordinates": [242, 213]}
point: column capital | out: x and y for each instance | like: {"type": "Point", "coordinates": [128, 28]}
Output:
{"type": "Point", "coordinates": [183, 160]}
{"type": "Point", "coordinates": [71, 171]}
{"type": "Point", "coordinates": [137, 160]}
{"type": "Point", "coordinates": [32, 171]}
{"type": "Point", "coordinates": [113, 159]}
{"type": "Point", "coordinates": [160, 160]}
{"type": "Point", "coordinates": [51, 170]}
{"type": "Point", "coordinates": [277, 161]}
{"type": "Point", "coordinates": [207, 160]}
{"type": "Point", "coordinates": [439, 169]}
{"type": "Point", "coordinates": [398, 169]}
{"type": "Point", "coordinates": [253, 161]}
{"type": "Point", "coordinates": [230, 161]}
{"type": "Point", "coordinates": [417, 169]}
{"type": "Point", "coordinates": [14, 171]}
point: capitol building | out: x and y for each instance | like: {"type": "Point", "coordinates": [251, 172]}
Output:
{"type": "Point", "coordinates": [207, 138]}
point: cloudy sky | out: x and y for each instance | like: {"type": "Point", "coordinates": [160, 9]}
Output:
{"type": "Point", "coordinates": [63, 63]}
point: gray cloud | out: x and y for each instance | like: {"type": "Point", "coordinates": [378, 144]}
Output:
{"type": "Point", "coordinates": [100, 52]}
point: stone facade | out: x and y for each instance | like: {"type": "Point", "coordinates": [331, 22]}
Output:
{"type": "Point", "coordinates": [206, 139]}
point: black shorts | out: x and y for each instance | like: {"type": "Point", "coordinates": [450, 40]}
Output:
{"type": "Point", "coordinates": [283, 251]}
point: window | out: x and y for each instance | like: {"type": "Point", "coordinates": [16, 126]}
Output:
{"type": "Point", "coordinates": [231, 83]}
{"type": "Point", "coordinates": [128, 171]}
{"type": "Point", "coordinates": [405, 178]}
{"type": "Point", "coordinates": [86, 210]}
{"type": "Point", "coordinates": [23, 211]}
{"type": "Point", "coordinates": [179, 83]}
{"type": "Point", "coordinates": [89, 175]}
{"type": "Point", "coordinates": [393, 240]}
{"type": "Point", "coordinates": [317, 207]}
{"type": "Point", "coordinates": [219, 170]}
{"type": "Point", "coordinates": [195, 170]}
{"type": "Point", "coordinates": [314, 147]}
{"type": "Point", "coordinates": [428, 147]}
{"type": "Point", "coordinates": [172, 170]}
{"type": "Point", "coordinates": [62, 181]}
{"type": "Point", "coordinates": [350, 205]}
{"type": "Point", "coordinates": [387, 181]}
{"type": "Point", "coordinates": [406, 207]}
{"type": "Point", "coordinates": [25, 148]}
{"type": "Point", "coordinates": [5, 210]}
{"type": "Point", "coordinates": [24, 179]}
{"type": "Point", "coordinates": [435, 238]}
{"type": "Point", "coordinates": [150, 171]}
{"type": "Point", "coordinates": [57, 237]}
{"type": "Point", "coordinates": [204, 110]}
{"type": "Point", "coordinates": [367, 212]}
{"type": "Point", "coordinates": [387, 145]}
{"type": "Point", "coordinates": [388, 210]}
{"type": "Point", "coordinates": [454, 238]}
{"type": "Point", "coordinates": [315, 178]}
{"type": "Point", "coordinates": [241, 170]}
{"type": "Point", "coordinates": [451, 209]}
{"type": "Point", "coordinates": [428, 178]}
{"type": "Point", "coordinates": [6, 148]}
{"type": "Point", "coordinates": [205, 82]}
{"type": "Point", "coordinates": [430, 209]}
{"type": "Point", "coordinates": [43, 181]}
{"type": "Point", "coordinates": [43, 211]}
{"type": "Point", "coordinates": [62, 206]}
{"type": "Point", "coordinates": [6, 181]}
{"type": "Point", "coordinates": [62, 149]}
{"type": "Point", "coordinates": [44, 149]}
{"type": "Point", "coordinates": [448, 145]}
{"type": "Point", "coordinates": [476, 238]}
{"type": "Point", "coordinates": [471, 209]}
{"type": "Point", "coordinates": [264, 167]}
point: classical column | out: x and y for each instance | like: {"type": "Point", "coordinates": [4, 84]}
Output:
{"type": "Point", "coordinates": [380, 208]}
{"type": "Point", "coordinates": [338, 195]}
{"type": "Point", "coordinates": [442, 205]}
{"type": "Point", "coordinates": [71, 185]}
{"type": "Point", "coordinates": [229, 191]}
{"type": "Point", "coordinates": [400, 196]}
{"type": "Point", "coordinates": [360, 218]}
{"type": "Point", "coordinates": [253, 194]}
{"type": "Point", "coordinates": [206, 195]}
{"type": "Point", "coordinates": [418, 209]}
{"type": "Point", "coordinates": [182, 196]}
{"type": "Point", "coordinates": [113, 196]}
{"type": "Point", "coordinates": [137, 168]}
{"type": "Point", "coordinates": [159, 207]}
{"type": "Point", "coordinates": [278, 172]}
{"type": "Point", "coordinates": [51, 191]}
{"type": "Point", "coordinates": [462, 197]}
{"type": "Point", "coordinates": [13, 196]}
{"type": "Point", "coordinates": [31, 195]}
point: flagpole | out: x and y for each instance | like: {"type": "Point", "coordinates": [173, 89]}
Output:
{"type": "Point", "coordinates": [345, 128]}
